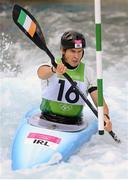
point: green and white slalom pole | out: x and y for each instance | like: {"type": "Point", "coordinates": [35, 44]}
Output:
{"type": "Point", "coordinates": [99, 66]}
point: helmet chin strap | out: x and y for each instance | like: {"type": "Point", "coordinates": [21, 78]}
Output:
{"type": "Point", "coordinates": [67, 64]}
{"type": "Point", "coordinates": [82, 55]}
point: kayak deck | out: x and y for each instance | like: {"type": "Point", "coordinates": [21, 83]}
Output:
{"type": "Point", "coordinates": [38, 142]}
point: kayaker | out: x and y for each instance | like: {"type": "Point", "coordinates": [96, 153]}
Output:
{"type": "Point", "coordinates": [60, 102]}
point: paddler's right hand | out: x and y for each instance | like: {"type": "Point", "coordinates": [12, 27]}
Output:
{"type": "Point", "coordinates": [60, 69]}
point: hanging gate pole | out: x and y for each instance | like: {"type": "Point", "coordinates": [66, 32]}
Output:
{"type": "Point", "coordinates": [99, 66]}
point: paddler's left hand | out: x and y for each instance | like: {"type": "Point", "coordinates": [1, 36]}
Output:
{"type": "Point", "coordinates": [108, 126]}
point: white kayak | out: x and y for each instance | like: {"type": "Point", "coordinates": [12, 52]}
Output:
{"type": "Point", "coordinates": [39, 141]}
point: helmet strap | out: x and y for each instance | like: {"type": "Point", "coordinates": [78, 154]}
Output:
{"type": "Point", "coordinates": [82, 54]}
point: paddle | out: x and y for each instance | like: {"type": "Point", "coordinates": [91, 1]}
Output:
{"type": "Point", "coordinates": [28, 24]}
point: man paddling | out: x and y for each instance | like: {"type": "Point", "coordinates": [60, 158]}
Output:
{"type": "Point", "coordinates": [60, 102]}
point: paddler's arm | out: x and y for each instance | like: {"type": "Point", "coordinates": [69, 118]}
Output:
{"type": "Point", "coordinates": [94, 96]}
{"type": "Point", "coordinates": [46, 71]}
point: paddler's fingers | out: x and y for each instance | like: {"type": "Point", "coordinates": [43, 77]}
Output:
{"type": "Point", "coordinates": [61, 68]}
{"type": "Point", "coordinates": [108, 125]}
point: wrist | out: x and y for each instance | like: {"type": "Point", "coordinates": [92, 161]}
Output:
{"type": "Point", "coordinates": [53, 70]}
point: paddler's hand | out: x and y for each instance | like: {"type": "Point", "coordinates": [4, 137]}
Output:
{"type": "Point", "coordinates": [108, 125]}
{"type": "Point", "coordinates": [60, 69]}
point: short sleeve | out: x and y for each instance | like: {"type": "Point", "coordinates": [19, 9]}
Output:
{"type": "Point", "coordinates": [91, 79]}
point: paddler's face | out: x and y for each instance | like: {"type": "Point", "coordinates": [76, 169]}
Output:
{"type": "Point", "coordinates": [73, 56]}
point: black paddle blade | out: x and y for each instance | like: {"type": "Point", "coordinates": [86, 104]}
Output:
{"type": "Point", "coordinates": [28, 24]}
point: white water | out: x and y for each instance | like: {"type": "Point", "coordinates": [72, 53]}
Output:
{"type": "Point", "coordinates": [20, 91]}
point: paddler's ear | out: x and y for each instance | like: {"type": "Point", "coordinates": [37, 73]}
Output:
{"type": "Point", "coordinates": [62, 50]}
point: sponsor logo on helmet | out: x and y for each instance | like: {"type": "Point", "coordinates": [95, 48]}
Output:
{"type": "Point", "coordinates": [78, 44]}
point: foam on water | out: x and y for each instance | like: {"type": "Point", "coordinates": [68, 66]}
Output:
{"type": "Point", "coordinates": [20, 91]}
